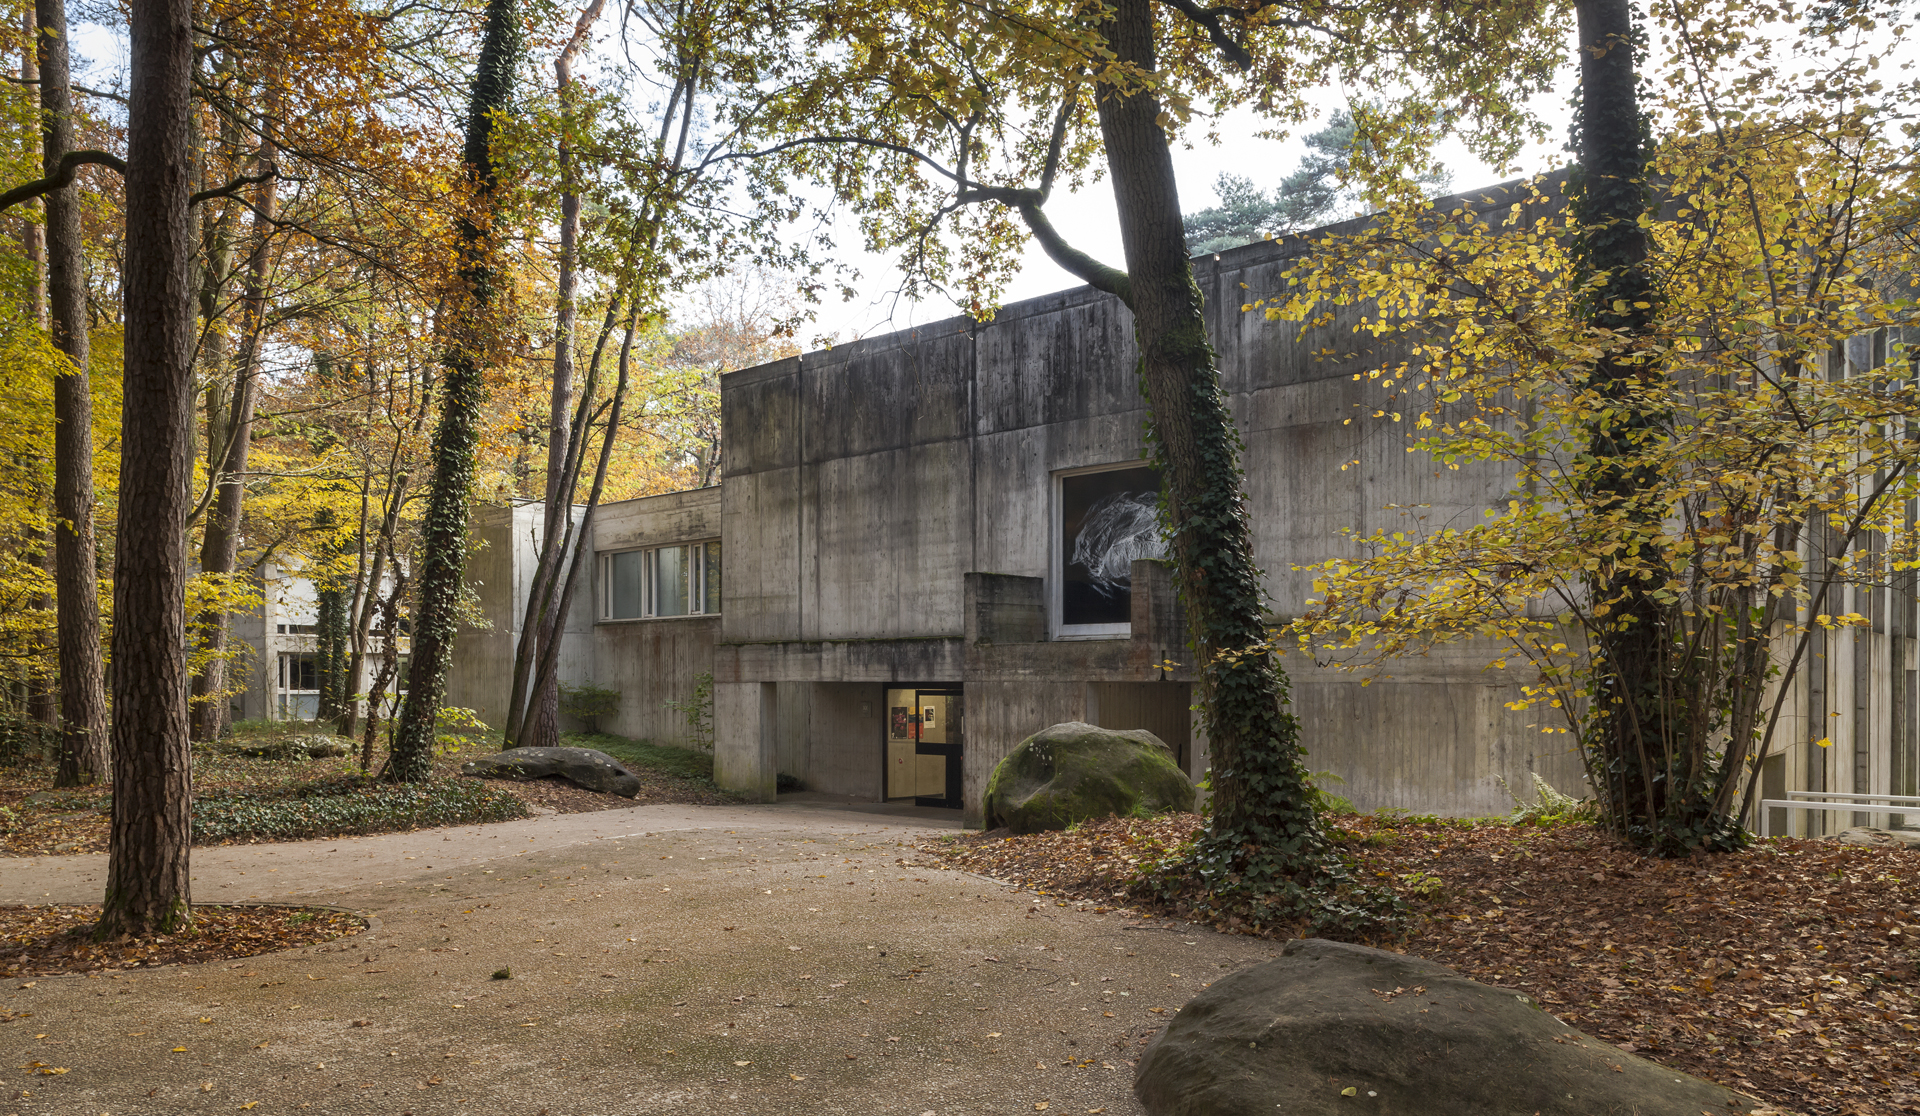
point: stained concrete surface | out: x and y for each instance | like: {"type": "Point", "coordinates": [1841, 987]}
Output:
{"type": "Point", "coordinates": [782, 959]}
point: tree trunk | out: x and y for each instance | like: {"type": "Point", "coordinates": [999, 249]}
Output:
{"type": "Point", "coordinates": [548, 671]}
{"type": "Point", "coordinates": [1264, 852]}
{"type": "Point", "coordinates": [220, 547]}
{"type": "Point", "coordinates": [83, 698]}
{"type": "Point", "coordinates": [1645, 744]}
{"type": "Point", "coordinates": [148, 890]}
{"type": "Point", "coordinates": [333, 652]}
{"type": "Point", "coordinates": [389, 664]}
{"type": "Point", "coordinates": [443, 535]}
{"type": "Point", "coordinates": [533, 717]}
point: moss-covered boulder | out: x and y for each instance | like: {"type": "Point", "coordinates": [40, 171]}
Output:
{"type": "Point", "coordinates": [1076, 772]}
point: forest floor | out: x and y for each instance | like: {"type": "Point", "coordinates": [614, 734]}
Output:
{"type": "Point", "coordinates": [1787, 971]}
{"type": "Point", "coordinates": [38, 819]}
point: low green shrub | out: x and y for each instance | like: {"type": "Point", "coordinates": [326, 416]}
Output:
{"type": "Point", "coordinates": [350, 804]}
{"type": "Point", "coordinates": [587, 703]}
{"type": "Point", "coordinates": [636, 754]}
{"type": "Point", "coordinates": [1552, 807]}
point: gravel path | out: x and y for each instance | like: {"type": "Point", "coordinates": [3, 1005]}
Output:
{"type": "Point", "coordinates": [663, 959]}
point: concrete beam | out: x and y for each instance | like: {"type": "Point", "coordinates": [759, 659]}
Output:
{"type": "Point", "coordinates": [1005, 608]}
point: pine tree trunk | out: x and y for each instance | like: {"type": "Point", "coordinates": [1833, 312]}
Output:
{"type": "Point", "coordinates": [547, 671]}
{"type": "Point", "coordinates": [33, 236]}
{"type": "Point", "coordinates": [83, 698]}
{"type": "Point", "coordinates": [148, 889]}
{"type": "Point", "coordinates": [443, 534]}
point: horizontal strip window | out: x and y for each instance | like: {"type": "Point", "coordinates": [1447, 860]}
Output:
{"type": "Point", "coordinates": [682, 580]}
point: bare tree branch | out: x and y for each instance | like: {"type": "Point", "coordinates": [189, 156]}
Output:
{"type": "Point", "coordinates": [1208, 20]}
{"type": "Point", "coordinates": [70, 163]}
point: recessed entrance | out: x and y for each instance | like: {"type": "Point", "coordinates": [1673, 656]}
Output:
{"type": "Point", "coordinates": [925, 734]}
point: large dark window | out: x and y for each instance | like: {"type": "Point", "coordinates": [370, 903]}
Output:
{"type": "Point", "coordinates": [1108, 520]}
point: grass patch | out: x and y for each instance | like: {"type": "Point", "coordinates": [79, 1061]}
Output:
{"type": "Point", "coordinates": [636, 754]}
{"type": "Point", "coordinates": [349, 804]}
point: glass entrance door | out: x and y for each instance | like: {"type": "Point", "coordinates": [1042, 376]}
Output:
{"type": "Point", "coordinates": [925, 737]}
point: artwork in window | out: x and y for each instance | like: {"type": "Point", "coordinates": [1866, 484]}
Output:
{"type": "Point", "coordinates": [1108, 521]}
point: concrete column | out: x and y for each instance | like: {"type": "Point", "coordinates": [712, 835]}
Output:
{"type": "Point", "coordinates": [744, 718]}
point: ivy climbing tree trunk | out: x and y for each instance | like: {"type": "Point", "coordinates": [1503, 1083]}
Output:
{"type": "Point", "coordinates": [83, 698]}
{"type": "Point", "coordinates": [1648, 751]}
{"type": "Point", "coordinates": [147, 880]}
{"type": "Point", "coordinates": [1264, 852]}
{"type": "Point", "coordinates": [443, 534]}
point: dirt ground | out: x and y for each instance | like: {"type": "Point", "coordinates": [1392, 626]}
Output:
{"type": "Point", "coordinates": [754, 959]}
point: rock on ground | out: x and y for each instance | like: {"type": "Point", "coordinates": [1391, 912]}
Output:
{"type": "Point", "coordinates": [1869, 835]}
{"type": "Point", "coordinates": [1076, 772]}
{"type": "Point", "coordinates": [317, 745]}
{"type": "Point", "coordinates": [587, 767]}
{"type": "Point", "coordinates": [1334, 1028]}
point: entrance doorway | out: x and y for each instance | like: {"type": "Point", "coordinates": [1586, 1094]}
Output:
{"type": "Point", "coordinates": [925, 737]}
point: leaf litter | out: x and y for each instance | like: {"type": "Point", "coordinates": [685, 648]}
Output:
{"type": "Point", "coordinates": [1790, 971]}
{"type": "Point", "coordinates": [43, 941]}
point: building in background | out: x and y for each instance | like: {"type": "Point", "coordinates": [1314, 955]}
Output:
{"type": "Point", "coordinates": [277, 670]}
{"type": "Point", "coordinates": [931, 544]}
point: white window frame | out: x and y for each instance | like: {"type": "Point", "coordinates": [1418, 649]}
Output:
{"type": "Point", "coordinates": [285, 696]}
{"type": "Point", "coordinates": [697, 588]}
{"type": "Point", "coordinates": [1057, 558]}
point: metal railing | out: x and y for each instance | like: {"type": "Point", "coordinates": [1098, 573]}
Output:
{"type": "Point", "coordinates": [1834, 802]}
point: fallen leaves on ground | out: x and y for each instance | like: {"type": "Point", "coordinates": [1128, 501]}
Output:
{"type": "Point", "coordinates": [1787, 971]}
{"type": "Point", "coordinates": [50, 940]}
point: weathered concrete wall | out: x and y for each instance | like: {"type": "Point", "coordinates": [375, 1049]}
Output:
{"type": "Point", "coordinates": [1437, 724]}
{"type": "Point", "coordinates": [656, 661]}
{"type": "Point", "coordinates": [653, 662]}
{"type": "Point", "coordinates": [503, 555]}
{"type": "Point", "coordinates": [844, 750]}
{"type": "Point", "coordinates": [827, 735]}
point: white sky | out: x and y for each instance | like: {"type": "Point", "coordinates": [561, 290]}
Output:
{"type": "Point", "coordinates": [1088, 219]}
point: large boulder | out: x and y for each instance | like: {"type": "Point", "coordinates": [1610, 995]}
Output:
{"type": "Point", "coordinates": [594, 770]}
{"type": "Point", "coordinates": [1347, 1030]}
{"type": "Point", "coordinates": [314, 745]}
{"type": "Point", "coordinates": [1075, 772]}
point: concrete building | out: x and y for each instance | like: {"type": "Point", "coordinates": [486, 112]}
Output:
{"type": "Point", "coordinates": [277, 674]}
{"type": "Point", "coordinates": [928, 545]}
